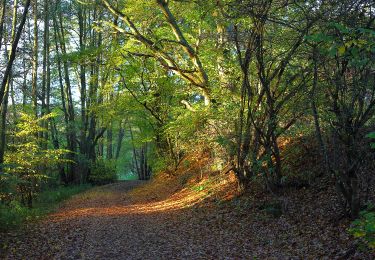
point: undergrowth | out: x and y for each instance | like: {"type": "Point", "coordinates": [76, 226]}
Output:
{"type": "Point", "coordinates": [15, 214]}
{"type": "Point", "coordinates": [103, 172]}
{"type": "Point", "coordinates": [363, 228]}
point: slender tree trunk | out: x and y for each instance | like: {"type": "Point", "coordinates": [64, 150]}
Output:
{"type": "Point", "coordinates": [2, 20]}
{"type": "Point", "coordinates": [3, 128]}
{"type": "Point", "coordinates": [314, 109]}
{"type": "Point", "coordinates": [135, 157]}
{"type": "Point", "coordinates": [24, 84]}
{"type": "Point", "coordinates": [7, 76]}
{"type": "Point", "coordinates": [34, 82]}
{"type": "Point", "coordinates": [13, 49]}
{"type": "Point", "coordinates": [121, 134]}
{"type": "Point", "coordinates": [45, 71]}
{"type": "Point", "coordinates": [277, 156]}
{"type": "Point", "coordinates": [109, 142]}
{"type": "Point", "coordinates": [10, 81]}
{"type": "Point", "coordinates": [12, 97]}
{"type": "Point", "coordinates": [82, 78]}
{"type": "Point", "coordinates": [56, 145]}
{"type": "Point", "coordinates": [66, 94]}
{"type": "Point", "coordinates": [100, 148]}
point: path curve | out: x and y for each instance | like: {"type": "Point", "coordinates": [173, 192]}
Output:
{"type": "Point", "coordinates": [104, 223]}
{"type": "Point", "coordinates": [109, 222]}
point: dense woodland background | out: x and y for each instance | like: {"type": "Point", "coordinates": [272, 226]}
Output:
{"type": "Point", "coordinates": [281, 93]}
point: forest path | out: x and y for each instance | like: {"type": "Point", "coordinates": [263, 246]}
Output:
{"type": "Point", "coordinates": [104, 223]}
{"type": "Point", "coordinates": [128, 220]}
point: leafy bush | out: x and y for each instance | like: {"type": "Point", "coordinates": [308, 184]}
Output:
{"type": "Point", "coordinates": [8, 188]}
{"type": "Point", "coordinates": [159, 164]}
{"type": "Point", "coordinates": [28, 160]}
{"type": "Point", "coordinates": [372, 137]}
{"type": "Point", "coordinates": [13, 214]}
{"type": "Point", "coordinates": [364, 228]}
{"type": "Point", "coordinates": [103, 172]}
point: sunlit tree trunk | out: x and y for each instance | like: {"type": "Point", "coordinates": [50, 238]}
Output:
{"type": "Point", "coordinates": [2, 20]}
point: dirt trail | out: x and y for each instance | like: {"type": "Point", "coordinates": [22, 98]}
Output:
{"type": "Point", "coordinates": [104, 223]}
{"type": "Point", "coordinates": [108, 222]}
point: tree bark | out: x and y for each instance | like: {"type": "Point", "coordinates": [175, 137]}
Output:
{"type": "Point", "coordinates": [121, 135]}
{"type": "Point", "coordinates": [34, 76]}
{"type": "Point", "coordinates": [315, 112]}
{"type": "Point", "coordinates": [66, 96]}
{"type": "Point", "coordinates": [45, 90]}
{"type": "Point", "coordinates": [109, 142]}
{"type": "Point", "coordinates": [4, 90]}
{"type": "Point", "coordinates": [12, 55]}
{"type": "Point", "coordinates": [2, 20]}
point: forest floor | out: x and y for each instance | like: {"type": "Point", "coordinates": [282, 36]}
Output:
{"type": "Point", "coordinates": [187, 217]}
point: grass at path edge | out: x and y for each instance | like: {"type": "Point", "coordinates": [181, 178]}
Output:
{"type": "Point", "coordinates": [15, 215]}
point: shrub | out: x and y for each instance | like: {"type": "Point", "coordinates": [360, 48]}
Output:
{"type": "Point", "coordinates": [59, 194]}
{"type": "Point", "coordinates": [160, 164]}
{"type": "Point", "coordinates": [27, 161]}
{"type": "Point", "coordinates": [8, 188]}
{"type": "Point", "coordinates": [103, 172]}
{"type": "Point", "coordinates": [13, 214]}
{"type": "Point", "coordinates": [363, 228]}
{"type": "Point", "coordinates": [372, 137]}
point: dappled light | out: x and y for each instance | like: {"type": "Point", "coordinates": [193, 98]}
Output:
{"type": "Point", "coordinates": [193, 196]}
{"type": "Point", "coordinates": [170, 129]}
{"type": "Point", "coordinates": [171, 204]}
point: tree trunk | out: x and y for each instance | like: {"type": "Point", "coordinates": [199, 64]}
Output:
{"type": "Point", "coordinates": [82, 78]}
{"type": "Point", "coordinates": [2, 20]}
{"type": "Point", "coordinates": [66, 97]}
{"type": "Point", "coordinates": [34, 76]}
{"type": "Point", "coordinates": [121, 134]}
{"type": "Point", "coordinates": [7, 76]}
{"type": "Point", "coordinates": [45, 73]}
{"type": "Point", "coordinates": [109, 142]}
{"type": "Point", "coordinates": [13, 50]}
{"type": "Point", "coordinates": [314, 109]}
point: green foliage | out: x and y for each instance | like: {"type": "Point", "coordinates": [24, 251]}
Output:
{"type": "Point", "coordinates": [27, 156]}
{"type": "Point", "coordinates": [49, 197]}
{"type": "Point", "coordinates": [203, 186]}
{"type": "Point", "coordinates": [12, 215]}
{"type": "Point", "coordinates": [161, 163]}
{"type": "Point", "coordinates": [356, 45]}
{"type": "Point", "coordinates": [186, 163]}
{"type": "Point", "coordinates": [199, 188]}
{"type": "Point", "coordinates": [103, 172]}
{"type": "Point", "coordinates": [28, 161]}
{"type": "Point", "coordinates": [372, 137]}
{"type": "Point", "coordinates": [8, 188]}
{"type": "Point", "coordinates": [15, 214]}
{"type": "Point", "coordinates": [363, 228]}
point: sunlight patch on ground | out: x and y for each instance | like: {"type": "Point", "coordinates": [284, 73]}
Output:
{"type": "Point", "coordinates": [203, 190]}
{"type": "Point", "coordinates": [178, 201]}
